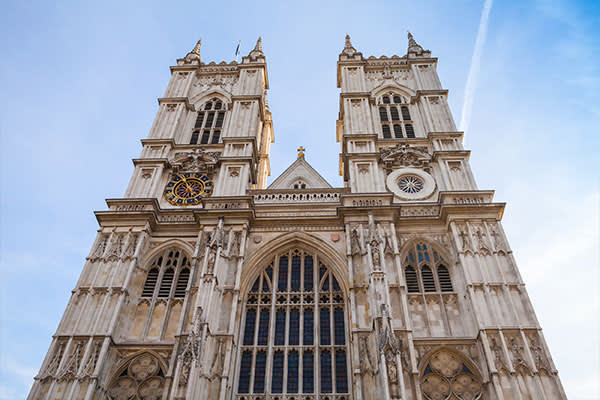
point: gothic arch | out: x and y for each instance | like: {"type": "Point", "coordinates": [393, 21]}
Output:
{"type": "Point", "coordinates": [258, 261]}
{"type": "Point", "coordinates": [203, 97]}
{"type": "Point", "coordinates": [152, 253]}
{"type": "Point", "coordinates": [141, 375]}
{"type": "Point", "coordinates": [444, 371]}
{"type": "Point", "coordinates": [298, 323]}
{"type": "Point", "coordinates": [388, 86]}
{"type": "Point", "coordinates": [412, 242]}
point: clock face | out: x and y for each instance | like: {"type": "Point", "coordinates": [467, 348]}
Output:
{"type": "Point", "coordinates": [188, 189]}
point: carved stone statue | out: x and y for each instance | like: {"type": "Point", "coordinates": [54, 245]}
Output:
{"type": "Point", "coordinates": [355, 247]}
{"type": "Point", "coordinates": [375, 254]}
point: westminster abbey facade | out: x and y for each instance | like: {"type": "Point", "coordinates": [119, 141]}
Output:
{"type": "Point", "coordinates": [205, 283]}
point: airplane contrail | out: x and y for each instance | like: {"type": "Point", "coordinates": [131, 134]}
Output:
{"type": "Point", "coordinates": [465, 118]}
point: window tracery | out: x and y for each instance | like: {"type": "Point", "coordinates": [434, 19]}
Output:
{"type": "Point", "coordinates": [425, 270]}
{"type": "Point", "coordinates": [294, 332]}
{"type": "Point", "coordinates": [394, 116]}
{"type": "Point", "coordinates": [447, 377]}
{"type": "Point", "coordinates": [162, 295]}
{"type": "Point", "coordinates": [142, 378]}
{"type": "Point", "coordinates": [209, 122]}
{"type": "Point", "coordinates": [175, 268]}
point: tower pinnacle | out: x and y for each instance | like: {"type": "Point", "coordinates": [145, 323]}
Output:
{"type": "Point", "coordinates": [348, 48]}
{"type": "Point", "coordinates": [194, 55]}
{"type": "Point", "coordinates": [413, 46]}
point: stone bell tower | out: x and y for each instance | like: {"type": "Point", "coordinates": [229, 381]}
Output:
{"type": "Point", "coordinates": [448, 315]}
{"type": "Point", "coordinates": [150, 300]}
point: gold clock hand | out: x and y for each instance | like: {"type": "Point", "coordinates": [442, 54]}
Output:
{"type": "Point", "coordinates": [186, 184]}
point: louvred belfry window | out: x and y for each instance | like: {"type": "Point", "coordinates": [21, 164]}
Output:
{"type": "Point", "coordinates": [294, 332]}
{"type": "Point", "coordinates": [425, 270]}
{"type": "Point", "coordinates": [394, 116]}
{"type": "Point", "coordinates": [163, 294]}
{"type": "Point", "coordinates": [209, 123]}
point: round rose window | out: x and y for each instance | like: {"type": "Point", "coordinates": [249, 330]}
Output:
{"type": "Point", "coordinates": [410, 184]}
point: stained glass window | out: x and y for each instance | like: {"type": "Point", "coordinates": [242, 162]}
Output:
{"type": "Point", "coordinates": [294, 330]}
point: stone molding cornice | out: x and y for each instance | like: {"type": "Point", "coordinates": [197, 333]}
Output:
{"type": "Point", "coordinates": [150, 161]}
{"type": "Point", "coordinates": [171, 100]}
{"type": "Point", "coordinates": [374, 63]}
{"type": "Point", "coordinates": [450, 206]}
{"type": "Point", "coordinates": [443, 154]}
{"type": "Point", "coordinates": [148, 141]}
{"type": "Point", "coordinates": [186, 67]}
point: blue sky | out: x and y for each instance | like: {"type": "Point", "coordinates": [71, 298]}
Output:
{"type": "Point", "coordinates": [79, 83]}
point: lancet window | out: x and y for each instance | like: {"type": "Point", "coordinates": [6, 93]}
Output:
{"type": "Point", "coordinates": [162, 296]}
{"type": "Point", "coordinates": [394, 116]}
{"type": "Point", "coordinates": [168, 276]}
{"type": "Point", "coordinates": [425, 271]}
{"type": "Point", "coordinates": [209, 123]}
{"type": "Point", "coordinates": [294, 338]}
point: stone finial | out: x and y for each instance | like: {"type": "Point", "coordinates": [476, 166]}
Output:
{"type": "Point", "coordinates": [257, 51]}
{"type": "Point", "coordinates": [258, 46]}
{"type": "Point", "coordinates": [194, 56]}
{"type": "Point", "coordinates": [349, 50]}
{"type": "Point", "coordinates": [301, 150]}
{"type": "Point", "coordinates": [413, 46]}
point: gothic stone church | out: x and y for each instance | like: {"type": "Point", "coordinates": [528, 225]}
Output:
{"type": "Point", "coordinates": [205, 283]}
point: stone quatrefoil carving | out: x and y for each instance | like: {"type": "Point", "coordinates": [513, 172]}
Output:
{"type": "Point", "coordinates": [446, 377]}
{"type": "Point", "coordinates": [142, 379]}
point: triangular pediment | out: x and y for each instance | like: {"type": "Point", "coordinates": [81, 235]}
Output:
{"type": "Point", "coordinates": [298, 174]}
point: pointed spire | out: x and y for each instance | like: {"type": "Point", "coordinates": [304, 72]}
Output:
{"type": "Point", "coordinates": [413, 46]}
{"type": "Point", "coordinates": [411, 40]}
{"type": "Point", "coordinates": [349, 50]}
{"type": "Point", "coordinates": [257, 51]}
{"type": "Point", "coordinates": [258, 46]}
{"type": "Point", "coordinates": [194, 55]}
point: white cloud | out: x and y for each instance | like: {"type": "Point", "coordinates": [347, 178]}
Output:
{"type": "Point", "coordinates": [475, 65]}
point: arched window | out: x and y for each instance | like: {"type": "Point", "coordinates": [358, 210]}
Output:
{"type": "Point", "coordinates": [163, 294]}
{"type": "Point", "coordinates": [300, 184]}
{"type": "Point", "coordinates": [209, 123]}
{"type": "Point", "coordinates": [412, 284]}
{"type": "Point", "coordinates": [425, 262]}
{"type": "Point", "coordinates": [294, 326]}
{"type": "Point", "coordinates": [389, 116]}
{"type": "Point", "coordinates": [172, 262]}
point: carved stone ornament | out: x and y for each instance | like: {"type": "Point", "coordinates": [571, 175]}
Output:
{"type": "Point", "coordinates": [517, 357]}
{"type": "Point", "coordinates": [257, 51]}
{"type": "Point", "coordinates": [193, 57]}
{"type": "Point", "coordinates": [192, 349]}
{"type": "Point", "coordinates": [446, 376]}
{"type": "Point", "coordinates": [403, 155]}
{"type": "Point", "coordinates": [197, 160]}
{"type": "Point", "coordinates": [100, 248]}
{"type": "Point", "coordinates": [143, 376]}
{"type": "Point", "coordinates": [410, 184]}
{"type": "Point", "coordinates": [540, 360]}
{"type": "Point", "coordinates": [349, 50]}
{"type": "Point", "coordinates": [367, 366]}
{"type": "Point", "coordinates": [356, 247]}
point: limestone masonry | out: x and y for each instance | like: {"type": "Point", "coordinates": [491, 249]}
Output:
{"type": "Point", "coordinates": [204, 283]}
